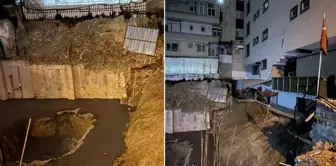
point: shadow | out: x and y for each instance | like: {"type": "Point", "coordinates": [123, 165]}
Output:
{"type": "Point", "coordinates": [287, 144]}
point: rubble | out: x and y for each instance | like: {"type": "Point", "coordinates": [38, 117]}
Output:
{"type": "Point", "coordinates": [323, 154]}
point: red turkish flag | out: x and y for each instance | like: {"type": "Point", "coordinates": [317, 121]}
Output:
{"type": "Point", "coordinates": [324, 38]}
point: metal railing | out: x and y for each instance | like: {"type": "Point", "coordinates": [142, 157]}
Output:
{"type": "Point", "coordinates": [304, 85]}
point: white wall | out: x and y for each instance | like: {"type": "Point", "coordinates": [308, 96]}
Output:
{"type": "Point", "coordinates": [185, 51]}
{"type": "Point", "coordinates": [302, 31]}
{"type": "Point", "coordinates": [185, 28]}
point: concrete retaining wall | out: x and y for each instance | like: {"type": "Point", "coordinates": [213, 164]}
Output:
{"type": "Point", "coordinates": [178, 121]}
{"type": "Point", "coordinates": [107, 84]}
{"type": "Point", "coordinates": [18, 79]}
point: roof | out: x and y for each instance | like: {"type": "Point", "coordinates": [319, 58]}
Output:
{"type": "Point", "coordinates": [269, 93]}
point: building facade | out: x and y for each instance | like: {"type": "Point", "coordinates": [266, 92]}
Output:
{"type": "Point", "coordinates": [200, 36]}
{"type": "Point", "coordinates": [275, 31]}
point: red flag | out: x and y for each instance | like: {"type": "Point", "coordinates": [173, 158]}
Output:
{"type": "Point", "coordinates": [324, 38]}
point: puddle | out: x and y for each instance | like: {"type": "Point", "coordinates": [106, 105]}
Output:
{"type": "Point", "coordinates": [50, 138]}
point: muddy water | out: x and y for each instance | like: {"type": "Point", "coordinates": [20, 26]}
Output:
{"type": "Point", "coordinates": [101, 146]}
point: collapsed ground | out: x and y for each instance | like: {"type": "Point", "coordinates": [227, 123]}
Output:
{"type": "Point", "coordinates": [98, 45]}
{"type": "Point", "coordinates": [244, 134]}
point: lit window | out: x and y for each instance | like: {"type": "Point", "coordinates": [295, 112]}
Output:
{"type": "Point", "coordinates": [304, 6]}
{"type": "Point", "coordinates": [265, 35]}
{"type": "Point", "coordinates": [265, 5]}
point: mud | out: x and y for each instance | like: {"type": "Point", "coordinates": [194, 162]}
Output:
{"type": "Point", "coordinates": [57, 135]}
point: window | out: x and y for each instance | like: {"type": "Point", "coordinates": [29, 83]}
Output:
{"type": "Point", "coordinates": [221, 50]}
{"type": "Point", "coordinates": [248, 8]}
{"type": "Point", "coordinates": [191, 27]}
{"type": "Point", "coordinates": [256, 15]}
{"type": "Point", "coordinates": [168, 46]}
{"type": "Point", "coordinates": [203, 48]}
{"type": "Point", "coordinates": [200, 47]}
{"type": "Point", "coordinates": [240, 5]}
{"type": "Point", "coordinates": [211, 9]}
{"type": "Point", "coordinates": [247, 28]}
{"type": "Point", "coordinates": [199, 8]}
{"type": "Point", "coordinates": [247, 50]}
{"type": "Point", "coordinates": [265, 5]}
{"type": "Point", "coordinates": [294, 13]}
{"type": "Point", "coordinates": [255, 70]}
{"type": "Point", "coordinates": [239, 23]}
{"type": "Point", "coordinates": [190, 45]}
{"type": "Point", "coordinates": [264, 64]}
{"type": "Point", "coordinates": [239, 15]}
{"type": "Point", "coordinates": [174, 47]}
{"type": "Point", "coordinates": [173, 26]}
{"type": "Point", "coordinates": [191, 9]}
{"type": "Point", "coordinates": [239, 34]}
{"type": "Point", "coordinates": [216, 32]}
{"type": "Point", "coordinates": [304, 6]}
{"type": "Point", "coordinates": [265, 35]}
{"type": "Point", "coordinates": [203, 29]}
{"type": "Point", "coordinates": [256, 41]}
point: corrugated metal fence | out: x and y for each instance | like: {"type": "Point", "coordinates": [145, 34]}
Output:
{"type": "Point", "coordinates": [80, 11]}
{"type": "Point", "coordinates": [141, 40]}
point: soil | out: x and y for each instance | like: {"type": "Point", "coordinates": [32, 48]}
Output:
{"type": "Point", "coordinates": [144, 138]}
{"type": "Point", "coordinates": [251, 135]}
{"type": "Point", "coordinates": [96, 44]}
{"type": "Point", "coordinates": [102, 145]}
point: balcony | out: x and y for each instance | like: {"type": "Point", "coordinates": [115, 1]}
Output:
{"type": "Point", "coordinates": [192, 17]}
{"type": "Point", "coordinates": [191, 37]}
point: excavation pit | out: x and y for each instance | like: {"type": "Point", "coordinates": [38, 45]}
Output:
{"type": "Point", "coordinates": [49, 138]}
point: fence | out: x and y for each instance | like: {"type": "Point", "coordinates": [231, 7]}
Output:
{"type": "Point", "coordinates": [81, 11]}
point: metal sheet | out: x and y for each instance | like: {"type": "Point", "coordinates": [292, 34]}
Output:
{"type": "Point", "coordinates": [141, 40]}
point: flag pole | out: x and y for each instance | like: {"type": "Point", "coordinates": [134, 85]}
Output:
{"type": "Point", "coordinates": [319, 70]}
{"type": "Point", "coordinates": [319, 75]}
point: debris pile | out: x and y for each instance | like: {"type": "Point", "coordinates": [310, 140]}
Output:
{"type": "Point", "coordinates": [49, 138]}
{"type": "Point", "coordinates": [323, 154]}
{"type": "Point", "coordinates": [193, 96]}
{"type": "Point", "coordinates": [144, 138]}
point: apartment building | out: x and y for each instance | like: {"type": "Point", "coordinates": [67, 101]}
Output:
{"type": "Point", "coordinates": [233, 30]}
{"type": "Point", "coordinates": [192, 27]}
{"type": "Point", "coordinates": [282, 41]}
{"type": "Point", "coordinates": [278, 31]}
